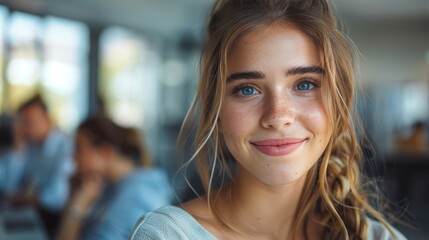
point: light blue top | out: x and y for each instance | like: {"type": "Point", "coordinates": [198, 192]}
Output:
{"type": "Point", "coordinates": [120, 206]}
{"type": "Point", "coordinates": [174, 223]}
{"type": "Point", "coordinates": [45, 168]}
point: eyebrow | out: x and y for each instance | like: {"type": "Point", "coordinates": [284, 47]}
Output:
{"type": "Point", "coordinates": [245, 75]}
{"type": "Point", "coordinates": [304, 70]}
{"type": "Point", "coordinates": [292, 71]}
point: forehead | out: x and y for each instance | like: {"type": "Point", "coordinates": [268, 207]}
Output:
{"type": "Point", "coordinates": [82, 137]}
{"type": "Point", "coordinates": [31, 111]}
{"type": "Point", "coordinates": [272, 41]}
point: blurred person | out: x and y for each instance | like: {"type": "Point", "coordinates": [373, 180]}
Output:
{"type": "Point", "coordinates": [6, 145]}
{"type": "Point", "coordinates": [39, 165]}
{"type": "Point", "coordinates": [415, 142]}
{"type": "Point", "coordinates": [115, 182]}
{"type": "Point", "coordinates": [273, 115]}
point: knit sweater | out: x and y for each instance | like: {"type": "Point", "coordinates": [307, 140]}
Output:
{"type": "Point", "coordinates": [172, 223]}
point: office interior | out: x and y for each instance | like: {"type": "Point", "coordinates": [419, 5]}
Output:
{"type": "Point", "coordinates": [138, 62]}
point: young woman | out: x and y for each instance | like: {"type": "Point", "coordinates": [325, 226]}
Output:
{"type": "Point", "coordinates": [275, 99]}
{"type": "Point", "coordinates": [116, 184]}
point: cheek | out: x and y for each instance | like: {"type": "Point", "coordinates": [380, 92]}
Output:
{"type": "Point", "coordinates": [30, 129]}
{"type": "Point", "coordinates": [315, 118]}
{"type": "Point", "coordinates": [227, 118]}
{"type": "Point", "coordinates": [235, 123]}
{"type": "Point", "coordinates": [83, 161]}
{"type": "Point", "coordinates": [88, 161]}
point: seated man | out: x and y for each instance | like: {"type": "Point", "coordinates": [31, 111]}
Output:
{"type": "Point", "coordinates": [38, 167]}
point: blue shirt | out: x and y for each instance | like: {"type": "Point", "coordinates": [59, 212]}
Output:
{"type": "Point", "coordinates": [44, 168]}
{"type": "Point", "coordinates": [120, 206]}
{"type": "Point", "coordinates": [175, 223]}
{"type": "Point", "coordinates": [11, 171]}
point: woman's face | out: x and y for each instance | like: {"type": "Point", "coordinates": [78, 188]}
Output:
{"type": "Point", "coordinates": [272, 119]}
{"type": "Point", "coordinates": [88, 157]}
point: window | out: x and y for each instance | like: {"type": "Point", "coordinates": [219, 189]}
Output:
{"type": "Point", "coordinates": [129, 73]}
{"type": "Point", "coordinates": [49, 56]}
{"type": "Point", "coordinates": [23, 67]}
{"type": "Point", "coordinates": [3, 14]}
{"type": "Point", "coordinates": [64, 72]}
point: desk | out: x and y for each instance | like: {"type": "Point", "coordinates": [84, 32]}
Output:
{"type": "Point", "coordinates": [20, 224]}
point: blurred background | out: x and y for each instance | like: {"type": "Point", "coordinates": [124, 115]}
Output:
{"type": "Point", "coordinates": [137, 60]}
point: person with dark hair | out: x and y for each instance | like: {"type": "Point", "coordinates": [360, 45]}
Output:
{"type": "Point", "coordinates": [39, 165]}
{"type": "Point", "coordinates": [115, 182]}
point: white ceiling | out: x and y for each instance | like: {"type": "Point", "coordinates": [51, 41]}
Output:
{"type": "Point", "coordinates": [173, 18]}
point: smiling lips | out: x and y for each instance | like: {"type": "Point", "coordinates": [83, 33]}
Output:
{"type": "Point", "coordinates": [278, 147]}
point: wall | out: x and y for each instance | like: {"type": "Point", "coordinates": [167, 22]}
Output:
{"type": "Point", "coordinates": [394, 71]}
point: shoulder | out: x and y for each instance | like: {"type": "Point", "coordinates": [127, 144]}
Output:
{"type": "Point", "coordinates": [154, 173]}
{"type": "Point", "coordinates": [58, 143]}
{"type": "Point", "coordinates": [377, 231]}
{"type": "Point", "coordinates": [147, 181]}
{"type": "Point", "coordinates": [59, 137]}
{"type": "Point", "coordinates": [152, 176]}
{"type": "Point", "coordinates": [169, 222]}
{"type": "Point", "coordinates": [137, 194]}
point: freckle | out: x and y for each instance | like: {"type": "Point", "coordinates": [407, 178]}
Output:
{"type": "Point", "coordinates": [259, 219]}
{"type": "Point", "coordinates": [296, 173]}
{"type": "Point", "coordinates": [268, 164]}
{"type": "Point", "coordinates": [320, 140]}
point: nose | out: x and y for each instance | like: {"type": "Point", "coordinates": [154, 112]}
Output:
{"type": "Point", "coordinates": [278, 113]}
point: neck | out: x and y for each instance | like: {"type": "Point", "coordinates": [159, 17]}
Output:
{"type": "Point", "coordinates": [120, 168]}
{"type": "Point", "coordinates": [258, 208]}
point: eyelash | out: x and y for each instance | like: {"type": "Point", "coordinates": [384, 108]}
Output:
{"type": "Point", "coordinates": [238, 88]}
{"type": "Point", "coordinates": [314, 83]}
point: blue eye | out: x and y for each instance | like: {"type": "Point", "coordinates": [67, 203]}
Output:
{"type": "Point", "coordinates": [247, 91]}
{"type": "Point", "coordinates": [305, 86]}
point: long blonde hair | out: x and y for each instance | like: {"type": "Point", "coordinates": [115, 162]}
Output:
{"type": "Point", "coordinates": [334, 191]}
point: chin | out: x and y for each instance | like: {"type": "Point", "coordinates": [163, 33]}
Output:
{"type": "Point", "coordinates": [281, 178]}
{"type": "Point", "coordinates": [279, 182]}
